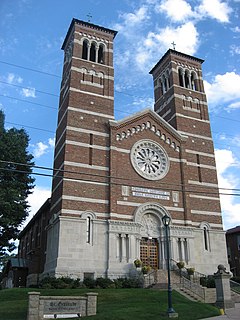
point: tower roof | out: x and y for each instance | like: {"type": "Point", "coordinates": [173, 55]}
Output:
{"type": "Point", "coordinates": [86, 24]}
{"type": "Point", "coordinates": [177, 53]}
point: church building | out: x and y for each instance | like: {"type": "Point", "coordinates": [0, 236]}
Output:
{"type": "Point", "coordinates": [115, 180]}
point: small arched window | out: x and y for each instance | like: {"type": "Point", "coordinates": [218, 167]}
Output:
{"type": "Point", "coordinates": [180, 76]}
{"type": "Point", "coordinates": [89, 229]}
{"type": "Point", "coordinates": [193, 81]}
{"type": "Point", "coordinates": [206, 238]}
{"type": "Point", "coordinates": [100, 54]}
{"type": "Point", "coordinates": [85, 50]}
{"type": "Point", "coordinates": [93, 52]}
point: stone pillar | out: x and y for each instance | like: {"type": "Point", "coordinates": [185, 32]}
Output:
{"type": "Point", "coordinates": [124, 247]}
{"type": "Point", "coordinates": [223, 291]}
{"type": "Point", "coordinates": [91, 303]}
{"type": "Point", "coordinates": [181, 255]}
{"type": "Point", "coordinates": [33, 305]}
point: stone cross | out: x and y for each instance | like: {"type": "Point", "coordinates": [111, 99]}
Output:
{"type": "Point", "coordinates": [174, 45]}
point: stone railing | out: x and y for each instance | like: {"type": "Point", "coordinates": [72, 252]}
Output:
{"type": "Point", "coordinates": [207, 295]}
{"type": "Point", "coordinates": [41, 307]}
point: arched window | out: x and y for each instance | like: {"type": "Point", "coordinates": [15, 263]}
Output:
{"type": "Point", "coordinates": [180, 76]}
{"type": "Point", "coordinates": [206, 239]}
{"type": "Point", "coordinates": [186, 79]}
{"type": "Point", "coordinates": [193, 81]}
{"type": "Point", "coordinates": [89, 229]}
{"type": "Point", "coordinates": [93, 52]}
{"type": "Point", "coordinates": [100, 54]}
{"type": "Point", "coordinates": [85, 50]}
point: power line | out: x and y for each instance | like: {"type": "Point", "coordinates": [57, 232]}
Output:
{"type": "Point", "coordinates": [29, 102]}
{"type": "Point", "coordinates": [181, 187]}
{"type": "Point", "coordinates": [29, 88]}
{"type": "Point", "coordinates": [30, 69]}
{"type": "Point", "coordinates": [25, 126]}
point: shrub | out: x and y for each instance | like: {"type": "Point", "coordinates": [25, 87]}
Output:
{"type": "Point", "coordinates": [236, 279]}
{"type": "Point", "coordinates": [137, 263]}
{"type": "Point", "coordinates": [208, 282]}
{"type": "Point", "coordinates": [59, 283]}
{"type": "Point", "coordinates": [104, 283]}
{"type": "Point", "coordinates": [180, 264]}
{"type": "Point", "coordinates": [134, 282]}
{"type": "Point", "coordinates": [190, 271]}
{"type": "Point", "coordinates": [89, 283]}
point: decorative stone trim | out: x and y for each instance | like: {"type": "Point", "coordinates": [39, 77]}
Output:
{"type": "Point", "coordinates": [147, 126]}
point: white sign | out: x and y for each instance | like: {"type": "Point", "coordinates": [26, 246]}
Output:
{"type": "Point", "coordinates": [150, 193]}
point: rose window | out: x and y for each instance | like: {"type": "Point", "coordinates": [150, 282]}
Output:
{"type": "Point", "coordinates": [149, 159]}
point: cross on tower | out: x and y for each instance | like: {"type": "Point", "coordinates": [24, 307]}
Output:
{"type": "Point", "coordinates": [174, 45]}
{"type": "Point", "coordinates": [89, 17]}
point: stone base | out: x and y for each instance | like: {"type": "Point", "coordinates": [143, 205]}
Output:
{"type": "Point", "coordinates": [172, 315]}
{"type": "Point", "coordinates": [227, 304]}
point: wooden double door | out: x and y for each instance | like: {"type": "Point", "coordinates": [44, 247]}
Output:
{"type": "Point", "coordinates": [149, 252]}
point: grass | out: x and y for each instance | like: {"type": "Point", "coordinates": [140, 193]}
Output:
{"type": "Point", "coordinates": [113, 304]}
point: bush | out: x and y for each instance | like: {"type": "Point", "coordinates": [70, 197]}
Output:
{"type": "Point", "coordinates": [128, 283]}
{"type": "Point", "coordinates": [105, 283]}
{"type": "Point", "coordinates": [59, 283]}
{"type": "Point", "coordinates": [89, 283]}
{"type": "Point", "coordinates": [236, 279]}
{"type": "Point", "coordinates": [208, 282]}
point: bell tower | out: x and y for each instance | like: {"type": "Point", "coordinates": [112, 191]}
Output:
{"type": "Point", "coordinates": [181, 101]}
{"type": "Point", "coordinates": [81, 160]}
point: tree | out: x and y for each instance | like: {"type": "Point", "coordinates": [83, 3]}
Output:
{"type": "Point", "coordinates": [16, 184]}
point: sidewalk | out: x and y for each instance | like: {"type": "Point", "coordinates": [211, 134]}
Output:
{"type": "Point", "coordinates": [232, 314]}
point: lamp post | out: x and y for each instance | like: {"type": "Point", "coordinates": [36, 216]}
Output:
{"type": "Point", "coordinates": [171, 312]}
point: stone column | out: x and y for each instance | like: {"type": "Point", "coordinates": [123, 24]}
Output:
{"type": "Point", "coordinates": [182, 258]}
{"type": "Point", "coordinates": [223, 291]}
{"type": "Point", "coordinates": [33, 305]}
{"type": "Point", "coordinates": [123, 236]}
{"type": "Point", "coordinates": [91, 303]}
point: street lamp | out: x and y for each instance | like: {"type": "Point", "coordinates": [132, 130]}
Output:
{"type": "Point", "coordinates": [171, 312]}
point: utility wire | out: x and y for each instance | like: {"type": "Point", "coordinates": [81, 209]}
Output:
{"type": "Point", "coordinates": [105, 177]}
{"type": "Point", "coordinates": [25, 101]}
{"type": "Point", "coordinates": [30, 69]}
{"type": "Point", "coordinates": [29, 88]}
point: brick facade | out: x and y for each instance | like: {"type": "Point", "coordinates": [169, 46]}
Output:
{"type": "Point", "coordinates": [102, 204]}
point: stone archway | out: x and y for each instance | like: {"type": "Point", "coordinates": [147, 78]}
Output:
{"type": "Point", "coordinates": [152, 239]}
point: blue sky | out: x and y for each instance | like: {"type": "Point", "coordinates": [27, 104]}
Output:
{"type": "Point", "coordinates": [31, 35]}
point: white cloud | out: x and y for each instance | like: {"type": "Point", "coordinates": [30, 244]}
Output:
{"type": "Point", "coordinates": [224, 88]}
{"type": "Point", "coordinates": [226, 160]}
{"type": "Point", "coordinates": [177, 10]}
{"type": "Point", "coordinates": [215, 9]}
{"type": "Point", "coordinates": [235, 49]}
{"type": "Point", "coordinates": [236, 29]}
{"type": "Point", "coordinates": [36, 200]}
{"type": "Point", "coordinates": [40, 149]}
{"type": "Point", "coordinates": [131, 20]}
{"type": "Point", "coordinates": [51, 142]}
{"type": "Point", "coordinates": [28, 92]}
{"type": "Point", "coordinates": [13, 79]}
{"type": "Point", "coordinates": [234, 105]}
{"type": "Point", "coordinates": [185, 37]}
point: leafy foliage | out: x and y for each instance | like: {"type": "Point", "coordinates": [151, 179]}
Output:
{"type": "Point", "coordinates": [59, 283]}
{"type": "Point", "coordinates": [15, 183]}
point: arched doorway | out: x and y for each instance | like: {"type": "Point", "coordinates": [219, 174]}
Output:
{"type": "Point", "coordinates": [152, 235]}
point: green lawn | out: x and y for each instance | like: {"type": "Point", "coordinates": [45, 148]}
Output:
{"type": "Point", "coordinates": [113, 304]}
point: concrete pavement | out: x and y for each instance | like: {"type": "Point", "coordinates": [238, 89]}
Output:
{"type": "Point", "coordinates": [230, 314]}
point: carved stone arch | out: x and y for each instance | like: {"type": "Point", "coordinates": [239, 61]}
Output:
{"type": "Point", "coordinates": [87, 214]}
{"type": "Point", "coordinates": [204, 224]}
{"type": "Point", "coordinates": [149, 216]}
{"type": "Point", "coordinates": [150, 207]}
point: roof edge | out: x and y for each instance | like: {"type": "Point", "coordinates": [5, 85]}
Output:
{"type": "Point", "coordinates": [87, 24]}
{"type": "Point", "coordinates": [177, 53]}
